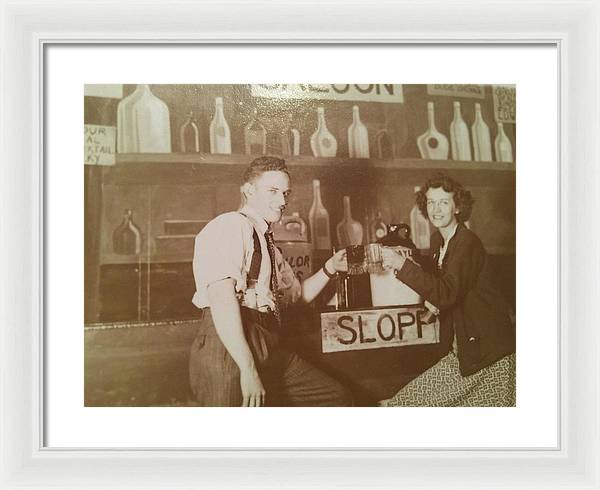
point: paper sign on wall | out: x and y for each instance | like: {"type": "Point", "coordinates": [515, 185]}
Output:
{"type": "Point", "coordinates": [377, 328]}
{"type": "Point", "coordinates": [505, 97]}
{"type": "Point", "coordinates": [374, 92]}
{"type": "Point", "coordinates": [456, 90]}
{"type": "Point", "coordinates": [99, 144]}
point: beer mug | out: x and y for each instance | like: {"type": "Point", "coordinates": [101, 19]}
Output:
{"type": "Point", "coordinates": [355, 254]}
{"type": "Point", "coordinates": [373, 258]}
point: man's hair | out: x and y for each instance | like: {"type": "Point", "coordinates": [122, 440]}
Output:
{"type": "Point", "coordinates": [462, 197]}
{"type": "Point", "coordinates": [260, 165]}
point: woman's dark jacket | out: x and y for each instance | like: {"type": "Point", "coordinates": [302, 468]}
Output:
{"type": "Point", "coordinates": [467, 300]}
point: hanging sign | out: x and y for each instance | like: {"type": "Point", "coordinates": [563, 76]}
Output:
{"type": "Point", "coordinates": [456, 90]}
{"type": "Point", "coordinates": [376, 328]}
{"type": "Point", "coordinates": [374, 92]}
{"type": "Point", "coordinates": [505, 97]}
{"type": "Point", "coordinates": [99, 144]}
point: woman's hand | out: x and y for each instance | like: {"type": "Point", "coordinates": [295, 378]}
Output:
{"type": "Point", "coordinates": [337, 262]}
{"type": "Point", "coordinates": [391, 258]}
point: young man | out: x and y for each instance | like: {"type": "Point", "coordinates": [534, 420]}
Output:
{"type": "Point", "coordinates": [242, 282]}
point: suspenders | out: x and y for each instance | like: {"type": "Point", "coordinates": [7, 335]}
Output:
{"type": "Point", "coordinates": [256, 255]}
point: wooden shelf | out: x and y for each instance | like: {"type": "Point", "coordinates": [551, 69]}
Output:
{"type": "Point", "coordinates": [202, 159]}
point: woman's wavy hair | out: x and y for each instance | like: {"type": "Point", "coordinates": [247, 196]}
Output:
{"type": "Point", "coordinates": [462, 197]}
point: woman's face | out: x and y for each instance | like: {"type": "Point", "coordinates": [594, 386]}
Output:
{"type": "Point", "coordinates": [441, 208]}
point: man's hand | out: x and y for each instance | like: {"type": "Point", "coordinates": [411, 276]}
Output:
{"type": "Point", "coordinates": [338, 262]}
{"type": "Point", "coordinates": [253, 391]}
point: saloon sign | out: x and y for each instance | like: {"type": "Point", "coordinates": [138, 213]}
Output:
{"type": "Point", "coordinates": [377, 328]}
{"type": "Point", "coordinates": [368, 92]}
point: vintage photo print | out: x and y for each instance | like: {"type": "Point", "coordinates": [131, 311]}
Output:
{"type": "Point", "coordinates": [300, 245]}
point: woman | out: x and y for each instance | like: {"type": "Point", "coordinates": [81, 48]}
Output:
{"type": "Point", "coordinates": [476, 327]}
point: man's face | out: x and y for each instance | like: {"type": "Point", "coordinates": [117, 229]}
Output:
{"type": "Point", "coordinates": [268, 195]}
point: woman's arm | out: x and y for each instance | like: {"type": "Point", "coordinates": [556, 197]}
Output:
{"type": "Point", "coordinates": [459, 275]}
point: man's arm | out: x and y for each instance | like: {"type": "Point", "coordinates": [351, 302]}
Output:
{"type": "Point", "coordinates": [313, 285]}
{"type": "Point", "coordinates": [228, 324]}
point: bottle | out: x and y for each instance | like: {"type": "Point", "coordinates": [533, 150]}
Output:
{"type": "Point", "coordinates": [144, 123]}
{"type": "Point", "coordinates": [502, 146]}
{"type": "Point", "coordinates": [349, 231]}
{"type": "Point", "coordinates": [482, 146]}
{"type": "Point", "coordinates": [322, 142]}
{"type": "Point", "coordinates": [255, 136]}
{"type": "Point", "coordinates": [189, 135]}
{"type": "Point", "coordinates": [127, 238]}
{"type": "Point", "coordinates": [432, 144]}
{"type": "Point", "coordinates": [287, 141]}
{"type": "Point", "coordinates": [358, 137]}
{"type": "Point", "coordinates": [419, 225]}
{"type": "Point", "coordinates": [318, 220]}
{"type": "Point", "coordinates": [125, 122]}
{"type": "Point", "coordinates": [459, 136]}
{"type": "Point", "coordinates": [378, 228]}
{"type": "Point", "coordinates": [385, 144]}
{"type": "Point", "coordinates": [220, 137]}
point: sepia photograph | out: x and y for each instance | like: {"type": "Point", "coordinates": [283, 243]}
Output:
{"type": "Point", "coordinates": [285, 245]}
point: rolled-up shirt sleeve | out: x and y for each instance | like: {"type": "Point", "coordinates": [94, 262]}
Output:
{"type": "Point", "coordinates": [220, 253]}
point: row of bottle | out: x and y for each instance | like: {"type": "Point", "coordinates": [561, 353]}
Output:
{"type": "Point", "coordinates": [434, 145]}
{"type": "Point", "coordinates": [322, 142]}
{"type": "Point", "coordinates": [143, 127]}
{"type": "Point", "coordinates": [351, 232]}
{"type": "Point", "coordinates": [127, 237]}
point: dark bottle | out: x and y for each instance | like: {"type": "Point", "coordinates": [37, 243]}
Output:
{"type": "Point", "coordinates": [127, 239]}
{"type": "Point", "coordinates": [189, 135]}
{"type": "Point", "coordinates": [398, 235]}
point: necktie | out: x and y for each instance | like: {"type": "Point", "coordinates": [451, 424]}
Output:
{"type": "Point", "coordinates": [274, 289]}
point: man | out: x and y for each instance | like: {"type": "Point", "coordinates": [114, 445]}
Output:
{"type": "Point", "coordinates": [242, 282]}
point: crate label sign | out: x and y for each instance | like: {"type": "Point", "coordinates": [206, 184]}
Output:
{"type": "Point", "coordinates": [456, 90]}
{"type": "Point", "coordinates": [368, 92]}
{"type": "Point", "coordinates": [99, 144]}
{"type": "Point", "coordinates": [377, 328]}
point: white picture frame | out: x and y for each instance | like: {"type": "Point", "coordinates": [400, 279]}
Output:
{"type": "Point", "coordinates": [572, 27]}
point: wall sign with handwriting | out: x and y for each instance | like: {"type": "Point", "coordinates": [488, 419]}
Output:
{"type": "Point", "coordinates": [505, 103]}
{"type": "Point", "coordinates": [377, 328]}
{"type": "Point", "coordinates": [99, 144]}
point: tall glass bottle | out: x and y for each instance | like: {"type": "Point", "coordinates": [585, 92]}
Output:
{"type": "Point", "coordinates": [144, 123]}
{"type": "Point", "coordinates": [358, 137]}
{"type": "Point", "coordinates": [127, 238]}
{"type": "Point", "coordinates": [125, 122]}
{"type": "Point", "coordinates": [220, 136]}
{"type": "Point", "coordinates": [349, 231]}
{"type": "Point", "coordinates": [255, 136]}
{"type": "Point", "coordinates": [318, 220]}
{"type": "Point", "coordinates": [502, 146]}
{"type": "Point", "coordinates": [288, 143]}
{"type": "Point", "coordinates": [419, 227]}
{"type": "Point", "coordinates": [480, 132]}
{"type": "Point", "coordinates": [432, 144]}
{"type": "Point", "coordinates": [322, 142]}
{"type": "Point", "coordinates": [189, 135]}
{"type": "Point", "coordinates": [459, 136]}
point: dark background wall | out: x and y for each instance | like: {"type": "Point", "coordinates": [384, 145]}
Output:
{"type": "Point", "coordinates": [194, 187]}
